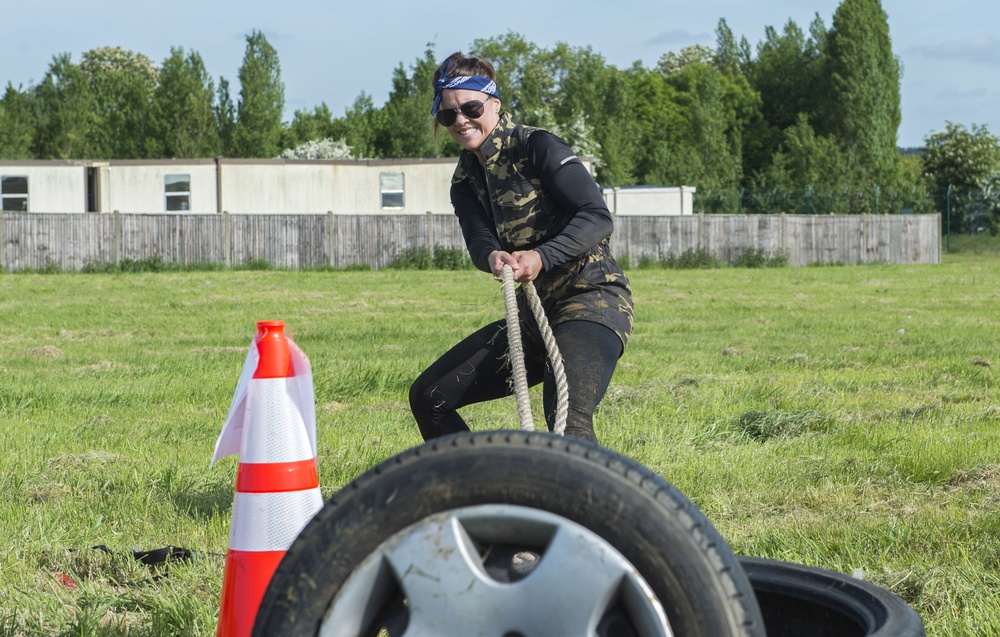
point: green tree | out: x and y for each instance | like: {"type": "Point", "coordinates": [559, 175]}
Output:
{"type": "Point", "coordinates": [911, 191]}
{"type": "Point", "coordinates": [809, 168]}
{"type": "Point", "coordinates": [644, 147]}
{"type": "Point", "coordinates": [122, 84]}
{"type": "Point", "coordinates": [183, 113]}
{"type": "Point", "coordinates": [621, 141]}
{"type": "Point", "coordinates": [258, 131]}
{"type": "Point", "coordinates": [960, 157]}
{"type": "Point", "coordinates": [727, 50]}
{"type": "Point", "coordinates": [17, 124]}
{"type": "Point", "coordinates": [964, 159]}
{"type": "Point", "coordinates": [985, 210]}
{"type": "Point", "coordinates": [562, 90]}
{"type": "Point", "coordinates": [317, 135]}
{"type": "Point", "coordinates": [309, 125]}
{"type": "Point", "coordinates": [225, 119]}
{"type": "Point", "coordinates": [577, 107]}
{"type": "Point", "coordinates": [575, 94]}
{"type": "Point", "coordinates": [671, 62]}
{"type": "Point", "coordinates": [786, 73]}
{"type": "Point", "coordinates": [863, 109]}
{"type": "Point", "coordinates": [66, 112]}
{"type": "Point", "coordinates": [717, 108]}
{"type": "Point", "coordinates": [405, 128]}
{"type": "Point", "coordinates": [360, 127]}
{"type": "Point", "coordinates": [525, 77]}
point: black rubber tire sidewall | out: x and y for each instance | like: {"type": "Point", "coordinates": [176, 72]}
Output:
{"type": "Point", "coordinates": [796, 599]}
{"type": "Point", "coordinates": [683, 558]}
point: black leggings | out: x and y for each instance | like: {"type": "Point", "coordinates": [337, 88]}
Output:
{"type": "Point", "coordinates": [478, 369]}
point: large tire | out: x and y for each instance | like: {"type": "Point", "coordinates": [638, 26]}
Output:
{"type": "Point", "coordinates": [422, 544]}
{"type": "Point", "coordinates": [803, 600]}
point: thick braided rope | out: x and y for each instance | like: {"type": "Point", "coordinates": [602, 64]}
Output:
{"type": "Point", "coordinates": [517, 353]}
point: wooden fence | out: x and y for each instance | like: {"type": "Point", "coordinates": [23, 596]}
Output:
{"type": "Point", "coordinates": [803, 239]}
{"type": "Point", "coordinates": [71, 241]}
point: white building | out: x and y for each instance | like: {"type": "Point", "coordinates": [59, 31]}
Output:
{"type": "Point", "coordinates": [267, 186]}
{"type": "Point", "coordinates": [650, 200]}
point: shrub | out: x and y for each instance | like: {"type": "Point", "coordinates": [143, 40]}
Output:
{"type": "Point", "coordinates": [149, 264]}
{"type": "Point", "coordinates": [319, 149]}
{"type": "Point", "coordinates": [198, 266]}
{"type": "Point", "coordinates": [50, 267]}
{"type": "Point", "coordinates": [646, 262]}
{"type": "Point", "coordinates": [759, 258]}
{"type": "Point", "coordinates": [416, 258]}
{"type": "Point", "coordinates": [691, 259]}
{"type": "Point", "coordinates": [421, 258]}
{"type": "Point", "coordinates": [255, 265]}
{"type": "Point", "coordinates": [451, 259]}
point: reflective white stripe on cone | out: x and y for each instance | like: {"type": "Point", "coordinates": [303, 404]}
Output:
{"type": "Point", "coordinates": [264, 526]}
{"type": "Point", "coordinates": [275, 431]}
{"type": "Point", "coordinates": [271, 521]}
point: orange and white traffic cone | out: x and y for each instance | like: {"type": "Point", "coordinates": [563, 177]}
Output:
{"type": "Point", "coordinates": [273, 420]}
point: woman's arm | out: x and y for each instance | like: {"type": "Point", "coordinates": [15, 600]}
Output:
{"type": "Point", "coordinates": [477, 227]}
{"type": "Point", "coordinates": [569, 182]}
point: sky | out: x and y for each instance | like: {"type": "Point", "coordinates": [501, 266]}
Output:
{"type": "Point", "coordinates": [332, 51]}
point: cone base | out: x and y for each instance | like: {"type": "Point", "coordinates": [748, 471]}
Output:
{"type": "Point", "coordinates": [246, 578]}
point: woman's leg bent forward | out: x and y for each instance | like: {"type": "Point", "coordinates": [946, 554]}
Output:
{"type": "Point", "coordinates": [475, 370]}
{"type": "Point", "coordinates": [590, 353]}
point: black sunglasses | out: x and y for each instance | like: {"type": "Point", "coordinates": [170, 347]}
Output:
{"type": "Point", "coordinates": [472, 109]}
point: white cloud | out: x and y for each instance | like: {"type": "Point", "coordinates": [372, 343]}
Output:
{"type": "Point", "coordinates": [677, 36]}
{"type": "Point", "coordinates": [979, 49]}
{"type": "Point", "coordinates": [961, 94]}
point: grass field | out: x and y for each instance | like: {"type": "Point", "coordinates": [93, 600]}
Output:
{"type": "Point", "coordinates": [842, 417]}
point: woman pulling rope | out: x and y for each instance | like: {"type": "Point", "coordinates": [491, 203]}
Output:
{"type": "Point", "coordinates": [524, 200]}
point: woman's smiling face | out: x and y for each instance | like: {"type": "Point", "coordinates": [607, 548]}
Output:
{"type": "Point", "coordinates": [467, 132]}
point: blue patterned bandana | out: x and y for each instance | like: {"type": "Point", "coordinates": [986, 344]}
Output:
{"type": "Point", "coordinates": [468, 82]}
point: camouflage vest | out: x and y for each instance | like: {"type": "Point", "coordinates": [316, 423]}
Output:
{"type": "Point", "coordinates": [525, 215]}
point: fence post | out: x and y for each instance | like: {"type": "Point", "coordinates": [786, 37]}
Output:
{"type": "Point", "coordinates": [430, 233]}
{"type": "Point", "coordinates": [227, 239]}
{"type": "Point", "coordinates": [335, 239]}
{"type": "Point", "coordinates": [784, 248]}
{"type": "Point", "coordinates": [948, 221]}
{"type": "Point", "coordinates": [739, 206]}
{"type": "Point", "coordinates": [3, 241]}
{"type": "Point", "coordinates": [329, 238]}
{"type": "Point", "coordinates": [218, 183]}
{"type": "Point", "coordinates": [864, 238]}
{"type": "Point", "coordinates": [701, 231]}
{"type": "Point", "coordinates": [118, 237]}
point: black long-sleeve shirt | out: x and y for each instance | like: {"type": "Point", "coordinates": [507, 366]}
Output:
{"type": "Point", "coordinates": [533, 193]}
{"type": "Point", "coordinates": [567, 179]}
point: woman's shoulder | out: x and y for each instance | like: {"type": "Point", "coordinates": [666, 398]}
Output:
{"type": "Point", "coordinates": [544, 148]}
{"type": "Point", "coordinates": [463, 170]}
{"type": "Point", "coordinates": [540, 140]}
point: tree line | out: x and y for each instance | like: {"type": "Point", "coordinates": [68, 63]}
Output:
{"type": "Point", "coordinates": [804, 121]}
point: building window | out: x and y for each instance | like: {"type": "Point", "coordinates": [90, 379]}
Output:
{"type": "Point", "coordinates": [14, 192]}
{"type": "Point", "coordinates": [177, 189]}
{"type": "Point", "coordinates": [391, 187]}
